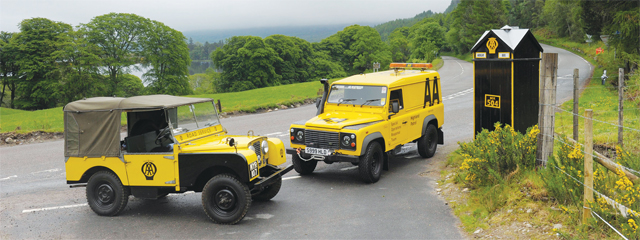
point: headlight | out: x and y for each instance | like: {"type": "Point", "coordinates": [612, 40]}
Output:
{"type": "Point", "coordinates": [265, 146]}
{"type": "Point", "coordinates": [346, 140]}
{"type": "Point", "coordinates": [252, 148]}
{"type": "Point", "coordinates": [300, 135]}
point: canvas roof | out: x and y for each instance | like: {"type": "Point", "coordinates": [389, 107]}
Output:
{"type": "Point", "coordinates": [137, 102]}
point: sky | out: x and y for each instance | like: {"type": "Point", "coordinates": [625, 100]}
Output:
{"type": "Point", "coordinates": [191, 15]}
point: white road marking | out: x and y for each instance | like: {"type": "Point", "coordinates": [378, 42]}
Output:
{"type": "Point", "coordinates": [348, 168]}
{"type": "Point", "coordinates": [461, 71]}
{"type": "Point", "coordinates": [48, 170]}
{"type": "Point", "coordinates": [275, 133]}
{"type": "Point", "coordinates": [264, 216]}
{"type": "Point", "coordinates": [54, 208]}
{"type": "Point", "coordinates": [289, 178]}
{"type": "Point", "coordinates": [458, 94]}
{"type": "Point", "coordinates": [282, 135]}
{"type": "Point", "coordinates": [9, 177]}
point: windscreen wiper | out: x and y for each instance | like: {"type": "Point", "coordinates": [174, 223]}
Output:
{"type": "Point", "coordinates": [346, 100]}
{"type": "Point", "coordinates": [368, 101]}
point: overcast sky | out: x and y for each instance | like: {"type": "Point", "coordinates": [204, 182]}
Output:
{"type": "Point", "coordinates": [187, 15]}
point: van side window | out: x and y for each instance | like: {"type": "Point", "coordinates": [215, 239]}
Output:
{"type": "Point", "coordinates": [396, 95]}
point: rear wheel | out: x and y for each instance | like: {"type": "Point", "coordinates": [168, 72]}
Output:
{"type": "Point", "coordinates": [301, 166]}
{"type": "Point", "coordinates": [269, 191]}
{"type": "Point", "coordinates": [370, 166]}
{"type": "Point", "coordinates": [225, 199]}
{"type": "Point", "coordinates": [427, 144]}
{"type": "Point", "coordinates": [106, 195]}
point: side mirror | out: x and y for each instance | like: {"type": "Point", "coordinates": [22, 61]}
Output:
{"type": "Point", "coordinates": [395, 107]}
{"type": "Point", "coordinates": [231, 142]}
{"type": "Point", "coordinates": [318, 100]}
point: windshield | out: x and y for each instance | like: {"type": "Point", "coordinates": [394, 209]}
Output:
{"type": "Point", "coordinates": [193, 117]}
{"type": "Point", "coordinates": [358, 95]}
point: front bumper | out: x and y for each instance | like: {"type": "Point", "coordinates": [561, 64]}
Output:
{"type": "Point", "coordinates": [272, 173]}
{"type": "Point", "coordinates": [335, 157]}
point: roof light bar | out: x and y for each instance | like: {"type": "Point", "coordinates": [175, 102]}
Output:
{"type": "Point", "coordinates": [411, 65]}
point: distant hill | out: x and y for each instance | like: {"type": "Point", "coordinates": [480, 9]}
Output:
{"type": "Point", "coordinates": [453, 5]}
{"type": "Point", "coordinates": [386, 28]}
{"type": "Point", "coordinates": [309, 33]}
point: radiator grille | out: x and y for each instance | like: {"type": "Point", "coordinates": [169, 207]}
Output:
{"type": "Point", "coordinates": [319, 139]}
{"type": "Point", "coordinates": [258, 150]}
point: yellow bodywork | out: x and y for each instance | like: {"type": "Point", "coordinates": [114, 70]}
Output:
{"type": "Point", "coordinates": [161, 169]}
{"type": "Point", "coordinates": [396, 129]}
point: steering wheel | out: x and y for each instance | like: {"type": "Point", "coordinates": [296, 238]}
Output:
{"type": "Point", "coordinates": [163, 133]}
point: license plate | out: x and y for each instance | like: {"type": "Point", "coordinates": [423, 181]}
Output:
{"type": "Point", "coordinates": [317, 151]}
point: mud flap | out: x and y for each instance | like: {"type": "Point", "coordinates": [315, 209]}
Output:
{"type": "Point", "coordinates": [385, 162]}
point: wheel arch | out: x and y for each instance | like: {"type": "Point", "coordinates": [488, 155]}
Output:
{"type": "Point", "coordinates": [197, 167]}
{"type": "Point", "coordinates": [431, 119]}
{"type": "Point", "coordinates": [377, 137]}
{"type": "Point", "coordinates": [87, 174]}
{"type": "Point", "coordinates": [209, 173]}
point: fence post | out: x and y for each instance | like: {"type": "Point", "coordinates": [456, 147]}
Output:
{"type": "Point", "coordinates": [620, 104]}
{"type": "Point", "coordinates": [219, 106]}
{"type": "Point", "coordinates": [588, 165]}
{"type": "Point", "coordinates": [576, 100]}
{"type": "Point", "coordinates": [546, 117]}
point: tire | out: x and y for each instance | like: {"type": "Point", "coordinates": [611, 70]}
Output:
{"type": "Point", "coordinates": [370, 166]}
{"type": "Point", "coordinates": [303, 167]}
{"type": "Point", "coordinates": [269, 191]}
{"type": "Point", "coordinates": [428, 143]}
{"type": "Point", "coordinates": [225, 200]}
{"type": "Point", "coordinates": [105, 194]}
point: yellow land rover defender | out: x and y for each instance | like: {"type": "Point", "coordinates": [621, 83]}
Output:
{"type": "Point", "coordinates": [364, 118]}
{"type": "Point", "coordinates": [172, 145]}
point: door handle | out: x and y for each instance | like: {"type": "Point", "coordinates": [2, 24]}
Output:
{"type": "Point", "coordinates": [405, 122]}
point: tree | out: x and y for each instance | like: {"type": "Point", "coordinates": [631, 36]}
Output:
{"type": "Point", "coordinates": [296, 55]}
{"type": "Point", "coordinates": [356, 48]}
{"type": "Point", "coordinates": [131, 85]}
{"type": "Point", "coordinates": [38, 86]}
{"type": "Point", "coordinates": [9, 70]}
{"type": "Point", "coordinates": [625, 30]}
{"type": "Point", "coordinates": [427, 37]}
{"type": "Point", "coordinates": [526, 13]}
{"type": "Point", "coordinates": [564, 18]}
{"type": "Point", "coordinates": [399, 44]}
{"type": "Point", "coordinates": [119, 37]}
{"type": "Point", "coordinates": [165, 50]}
{"type": "Point", "coordinates": [246, 63]}
{"type": "Point", "coordinates": [79, 68]}
{"type": "Point", "coordinates": [471, 18]}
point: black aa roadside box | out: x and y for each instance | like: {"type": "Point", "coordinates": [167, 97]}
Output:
{"type": "Point", "coordinates": [506, 65]}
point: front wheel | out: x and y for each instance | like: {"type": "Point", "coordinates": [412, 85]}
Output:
{"type": "Point", "coordinates": [427, 144]}
{"type": "Point", "coordinates": [106, 195]}
{"type": "Point", "coordinates": [225, 199]}
{"type": "Point", "coordinates": [269, 191]}
{"type": "Point", "coordinates": [371, 163]}
{"type": "Point", "coordinates": [303, 167]}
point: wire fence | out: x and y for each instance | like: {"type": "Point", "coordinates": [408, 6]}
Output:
{"type": "Point", "coordinates": [624, 210]}
{"type": "Point", "coordinates": [630, 125]}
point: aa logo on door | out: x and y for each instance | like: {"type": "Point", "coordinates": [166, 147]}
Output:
{"type": "Point", "coordinates": [149, 170]}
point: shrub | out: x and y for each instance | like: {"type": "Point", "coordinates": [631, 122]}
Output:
{"type": "Point", "coordinates": [496, 156]}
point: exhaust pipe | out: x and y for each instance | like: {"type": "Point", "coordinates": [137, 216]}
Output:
{"type": "Point", "coordinates": [325, 82]}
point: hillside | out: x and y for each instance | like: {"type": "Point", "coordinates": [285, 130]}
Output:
{"type": "Point", "coordinates": [309, 33]}
{"type": "Point", "coordinates": [386, 28]}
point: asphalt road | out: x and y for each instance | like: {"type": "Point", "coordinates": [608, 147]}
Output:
{"type": "Point", "coordinates": [35, 202]}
